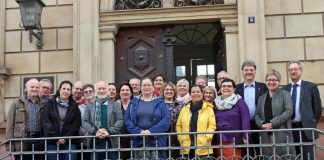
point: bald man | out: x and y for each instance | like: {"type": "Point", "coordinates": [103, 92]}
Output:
{"type": "Point", "coordinates": [24, 120]}
{"type": "Point", "coordinates": [109, 120]}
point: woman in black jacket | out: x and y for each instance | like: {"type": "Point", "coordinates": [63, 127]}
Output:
{"type": "Point", "coordinates": [62, 118]}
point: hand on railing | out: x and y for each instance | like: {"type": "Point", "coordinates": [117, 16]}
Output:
{"type": "Point", "coordinates": [60, 141]}
{"type": "Point", "coordinates": [102, 133]}
{"type": "Point", "coordinates": [145, 132]}
{"type": "Point", "coordinates": [245, 141]}
{"type": "Point", "coordinates": [267, 126]}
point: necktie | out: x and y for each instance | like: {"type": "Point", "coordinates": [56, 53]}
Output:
{"type": "Point", "coordinates": [294, 98]}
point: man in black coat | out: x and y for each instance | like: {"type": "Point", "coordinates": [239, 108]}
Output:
{"type": "Point", "coordinates": [250, 91]}
{"type": "Point", "coordinates": [307, 107]}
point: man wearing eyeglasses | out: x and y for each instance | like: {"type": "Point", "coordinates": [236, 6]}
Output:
{"type": "Point", "coordinates": [250, 91]}
{"type": "Point", "coordinates": [45, 89]}
{"type": "Point", "coordinates": [220, 77]}
{"type": "Point", "coordinates": [307, 107]}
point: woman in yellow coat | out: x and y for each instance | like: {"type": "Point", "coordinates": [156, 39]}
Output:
{"type": "Point", "coordinates": [196, 116]}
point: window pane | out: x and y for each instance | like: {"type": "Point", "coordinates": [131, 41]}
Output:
{"type": "Point", "coordinates": [201, 70]}
{"type": "Point", "coordinates": [180, 71]}
{"type": "Point", "coordinates": [211, 69]}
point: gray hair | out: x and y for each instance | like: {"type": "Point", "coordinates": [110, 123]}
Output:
{"type": "Point", "coordinates": [274, 73]}
{"type": "Point", "coordinates": [101, 81]}
{"type": "Point", "coordinates": [45, 80]}
{"type": "Point", "coordinates": [32, 79]}
{"type": "Point", "coordinates": [183, 81]}
{"type": "Point", "coordinates": [134, 79]}
{"type": "Point", "coordinates": [248, 63]}
{"type": "Point", "coordinates": [297, 62]}
{"type": "Point", "coordinates": [201, 77]}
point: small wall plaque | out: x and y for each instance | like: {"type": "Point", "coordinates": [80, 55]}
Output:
{"type": "Point", "coordinates": [251, 19]}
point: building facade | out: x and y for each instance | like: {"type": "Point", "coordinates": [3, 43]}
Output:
{"type": "Point", "coordinates": [116, 40]}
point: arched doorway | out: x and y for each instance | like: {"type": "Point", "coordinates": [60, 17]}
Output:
{"type": "Point", "coordinates": [199, 50]}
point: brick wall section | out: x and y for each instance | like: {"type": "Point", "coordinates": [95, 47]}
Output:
{"type": "Point", "coordinates": [295, 30]}
{"type": "Point", "coordinates": [23, 58]}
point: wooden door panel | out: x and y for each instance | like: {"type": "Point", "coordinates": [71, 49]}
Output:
{"type": "Point", "coordinates": [139, 53]}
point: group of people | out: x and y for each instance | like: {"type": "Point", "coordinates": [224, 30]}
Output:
{"type": "Point", "coordinates": [152, 105]}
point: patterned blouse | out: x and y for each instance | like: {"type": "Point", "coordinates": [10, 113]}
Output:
{"type": "Point", "coordinates": [174, 109]}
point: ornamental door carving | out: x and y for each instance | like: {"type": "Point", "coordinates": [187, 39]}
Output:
{"type": "Point", "coordinates": [140, 53]}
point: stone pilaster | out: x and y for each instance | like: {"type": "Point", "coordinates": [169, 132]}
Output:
{"type": "Point", "coordinates": [4, 74]}
{"type": "Point", "coordinates": [106, 58]}
{"type": "Point", "coordinates": [107, 5]}
{"type": "Point", "coordinates": [2, 30]}
{"type": "Point", "coordinates": [232, 52]}
{"type": "Point", "coordinates": [252, 42]}
{"type": "Point", "coordinates": [3, 71]}
{"type": "Point", "coordinates": [85, 40]}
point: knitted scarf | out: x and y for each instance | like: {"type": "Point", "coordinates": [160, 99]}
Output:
{"type": "Point", "coordinates": [97, 115]}
{"type": "Point", "coordinates": [62, 103]}
{"type": "Point", "coordinates": [185, 99]}
{"type": "Point", "coordinates": [226, 103]}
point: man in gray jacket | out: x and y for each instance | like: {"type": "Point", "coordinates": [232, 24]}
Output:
{"type": "Point", "coordinates": [102, 120]}
{"type": "Point", "coordinates": [24, 120]}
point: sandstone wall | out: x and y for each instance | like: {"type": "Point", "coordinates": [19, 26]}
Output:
{"type": "Point", "coordinates": [295, 31]}
{"type": "Point", "coordinates": [25, 60]}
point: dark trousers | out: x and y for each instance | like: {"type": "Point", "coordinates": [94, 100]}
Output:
{"type": "Point", "coordinates": [102, 155]}
{"type": "Point", "coordinates": [252, 151]}
{"type": "Point", "coordinates": [306, 149]}
{"type": "Point", "coordinates": [38, 146]}
{"type": "Point", "coordinates": [61, 156]}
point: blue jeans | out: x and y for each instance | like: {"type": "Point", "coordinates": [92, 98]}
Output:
{"type": "Point", "coordinates": [61, 156]}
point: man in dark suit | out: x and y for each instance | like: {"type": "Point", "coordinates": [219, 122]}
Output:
{"type": "Point", "coordinates": [250, 91]}
{"type": "Point", "coordinates": [307, 107]}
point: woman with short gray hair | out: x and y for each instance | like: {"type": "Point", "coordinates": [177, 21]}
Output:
{"type": "Point", "coordinates": [183, 91]}
{"type": "Point", "coordinates": [274, 111]}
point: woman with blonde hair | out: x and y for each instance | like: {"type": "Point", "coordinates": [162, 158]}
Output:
{"type": "Point", "coordinates": [210, 94]}
{"type": "Point", "coordinates": [169, 94]}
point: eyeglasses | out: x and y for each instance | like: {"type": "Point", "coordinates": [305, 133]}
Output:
{"type": "Point", "coordinates": [293, 69]}
{"type": "Point", "coordinates": [226, 86]}
{"type": "Point", "coordinates": [168, 90]}
{"type": "Point", "coordinates": [88, 91]}
{"type": "Point", "coordinates": [272, 80]}
{"type": "Point", "coordinates": [45, 87]}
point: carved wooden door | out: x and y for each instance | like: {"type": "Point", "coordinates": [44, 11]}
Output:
{"type": "Point", "coordinates": [139, 53]}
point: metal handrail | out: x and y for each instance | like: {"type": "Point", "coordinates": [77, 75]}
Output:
{"type": "Point", "coordinates": [167, 148]}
